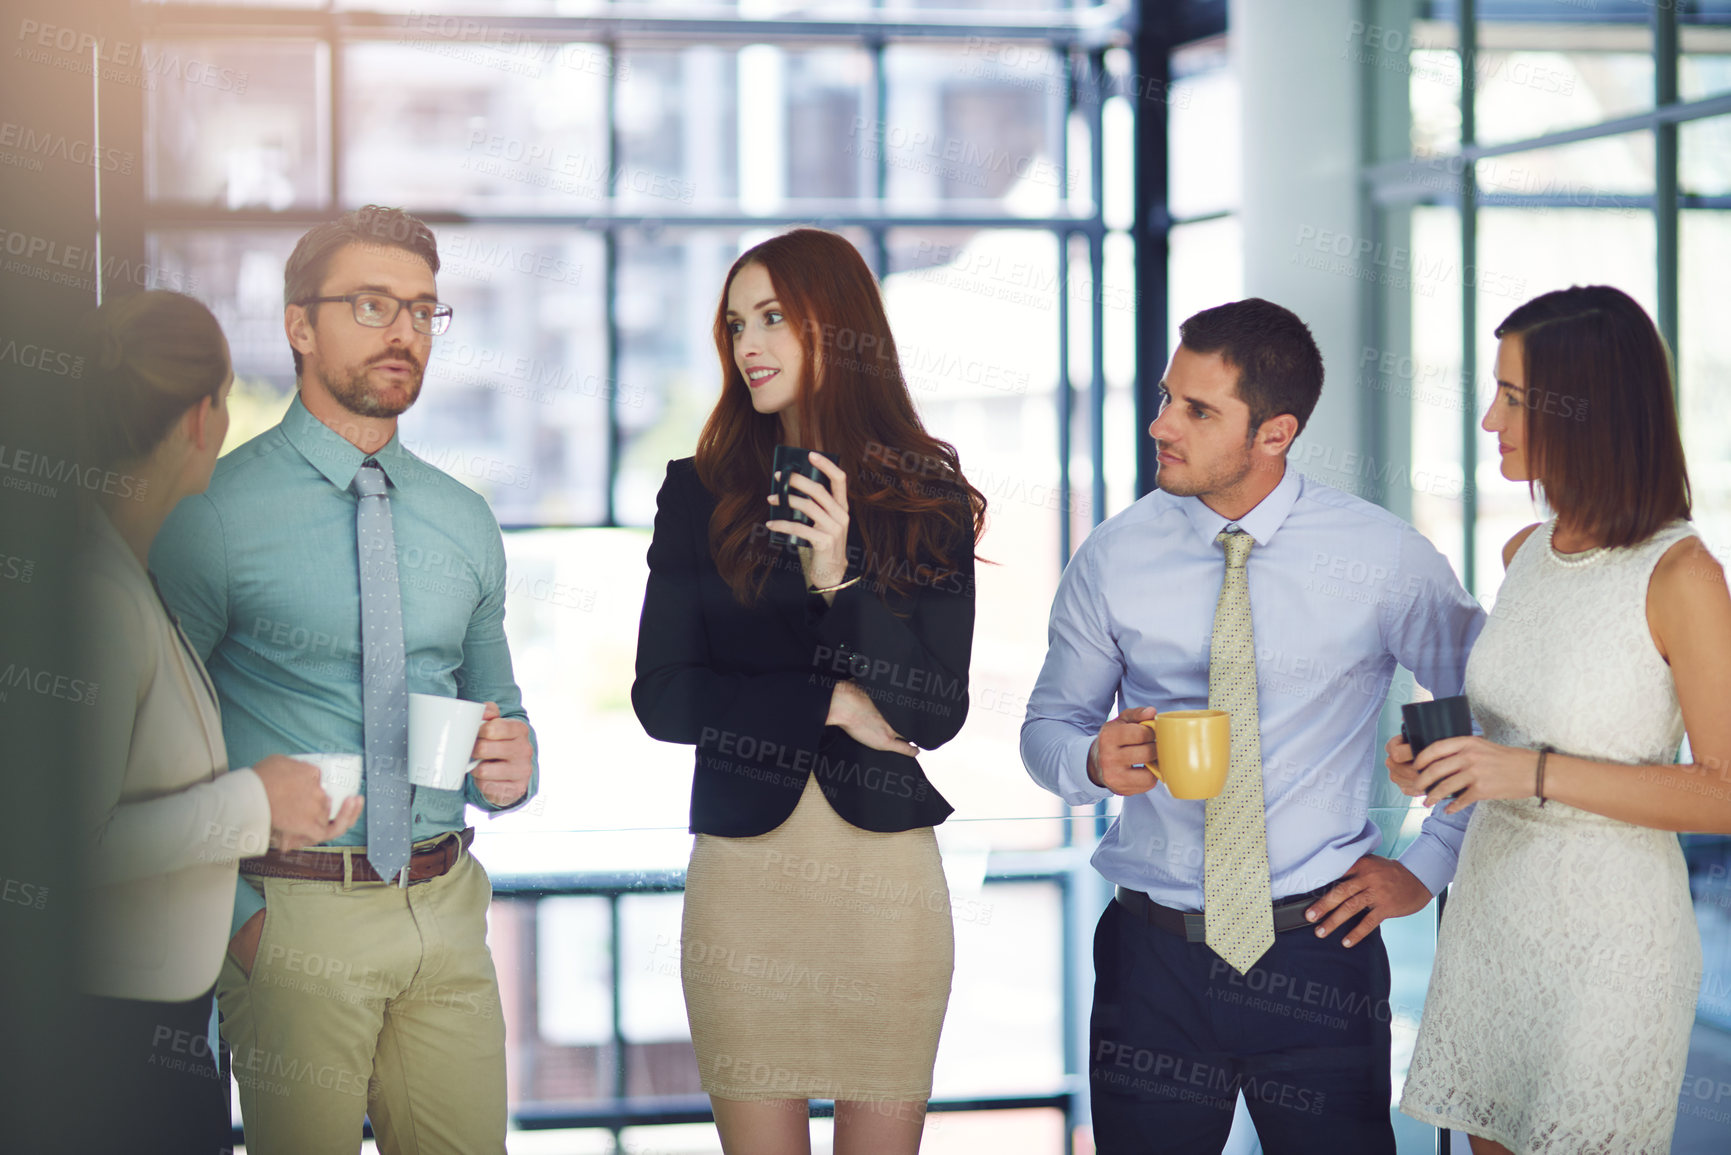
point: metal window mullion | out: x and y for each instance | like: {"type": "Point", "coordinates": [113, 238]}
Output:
{"type": "Point", "coordinates": [617, 1008]}
{"type": "Point", "coordinates": [1467, 33]}
{"type": "Point", "coordinates": [880, 156]}
{"type": "Point", "coordinates": [1095, 77]}
{"type": "Point", "coordinates": [334, 106]}
{"type": "Point", "coordinates": [1066, 397]}
{"type": "Point", "coordinates": [1665, 49]}
{"type": "Point", "coordinates": [1466, 40]}
{"type": "Point", "coordinates": [1399, 171]}
{"type": "Point", "coordinates": [610, 295]}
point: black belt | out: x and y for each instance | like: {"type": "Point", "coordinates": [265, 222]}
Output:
{"type": "Point", "coordinates": [1288, 913]}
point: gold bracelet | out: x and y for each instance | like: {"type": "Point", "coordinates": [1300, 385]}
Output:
{"type": "Point", "coordinates": [832, 589]}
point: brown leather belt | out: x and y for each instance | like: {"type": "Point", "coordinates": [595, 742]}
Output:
{"type": "Point", "coordinates": [1189, 924]}
{"type": "Point", "coordinates": [349, 863]}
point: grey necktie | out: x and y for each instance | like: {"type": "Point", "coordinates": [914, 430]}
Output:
{"type": "Point", "coordinates": [384, 677]}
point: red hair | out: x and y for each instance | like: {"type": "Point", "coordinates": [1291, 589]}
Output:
{"type": "Point", "coordinates": [855, 405]}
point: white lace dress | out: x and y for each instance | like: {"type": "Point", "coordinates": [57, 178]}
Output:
{"type": "Point", "coordinates": [1568, 961]}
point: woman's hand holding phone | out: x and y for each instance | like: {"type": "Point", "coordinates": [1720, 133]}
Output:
{"type": "Point", "coordinates": [857, 715]}
{"type": "Point", "coordinates": [823, 549]}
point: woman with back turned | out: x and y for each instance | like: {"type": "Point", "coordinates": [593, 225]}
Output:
{"type": "Point", "coordinates": [166, 820]}
{"type": "Point", "coordinates": [1563, 992]}
{"type": "Point", "coordinates": [817, 947]}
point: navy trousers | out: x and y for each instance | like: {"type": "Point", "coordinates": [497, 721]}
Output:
{"type": "Point", "coordinates": [1177, 1034]}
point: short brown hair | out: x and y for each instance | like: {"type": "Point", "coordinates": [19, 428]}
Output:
{"type": "Point", "coordinates": [1279, 366]}
{"type": "Point", "coordinates": [373, 224]}
{"type": "Point", "coordinates": [1608, 453]}
{"type": "Point", "coordinates": [154, 355]}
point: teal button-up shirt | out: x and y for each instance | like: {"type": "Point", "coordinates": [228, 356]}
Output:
{"type": "Point", "coordinates": [263, 571]}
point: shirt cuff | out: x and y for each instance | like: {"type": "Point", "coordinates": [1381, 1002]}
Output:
{"type": "Point", "coordinates": [473, 796]}
{"type": "Point", "coordinates": [1078, 788]}
{"type": "Point", "coordinates": [1430, 862]}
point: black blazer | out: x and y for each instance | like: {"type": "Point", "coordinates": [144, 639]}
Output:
{"type": "Point", "coordinates": [750, 687]}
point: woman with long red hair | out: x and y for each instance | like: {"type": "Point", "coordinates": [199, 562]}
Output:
{"type": "Point", "coordinates": [816, 945]}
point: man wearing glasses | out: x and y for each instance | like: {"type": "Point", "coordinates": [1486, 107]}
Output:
{"type": "Point", "coordinates": [325, 575]}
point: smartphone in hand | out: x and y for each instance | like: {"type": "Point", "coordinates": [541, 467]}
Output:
{"type": "Point", "coordinates": [789, 460]}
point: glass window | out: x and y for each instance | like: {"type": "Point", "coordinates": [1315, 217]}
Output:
{"type": "Point", "coordinates": [826, 118]}
{"type": "Point", "coordinates": [1530, 78]}
{"type": "Point", "coordinates": [669, 287]}
{"type": "Point", "coordinates": [1528, 93]}
{"type": "Point", "coordinates": [677, 125]}
{"type": "Point", "coordinates": [1539, 78]}
{"type": "Point", "coordinates": [1203, 123]}
{"type": "Point", "coordinates": [444, 123]}
{"type": "Point", "coordinates": [975, 319]}
{"type": "Point", "coordinates": [517, 392]}
{"type": "Point", "coordinates": [1704, 156]}
{"type": "Point", "coordinates": [238, 125]}
{"type": "Point", "coordinates": [580, 592]}
{"type": "Point", "coordinates": [1206, 268]}
{"type": "Point", "coordinates": [978, 123]}
{"type": "Point", "coordinates": [1003, 1031]}
{"type": "Point", "coordinates": [1433, 93]}
{"type": "Point", "coordinates": [1705, 66]}
{"type": "Point", "coordinates": [1120, 306]}
{"type": "Point", "coordinates": [238, 273]}
{"type": "Point", "coordinates": [1608, 172]}
{"type": "Point", "coordinates": [1703, 368]}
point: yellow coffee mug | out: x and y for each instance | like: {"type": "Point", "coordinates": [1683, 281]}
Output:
{"type": "Point", "coordinates": [1192, 751]}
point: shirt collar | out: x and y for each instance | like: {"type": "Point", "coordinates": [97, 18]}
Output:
{"type": "Point", "coordinates": [1260, 523]}
{"type": "Point", "coordinates": [334, 455]}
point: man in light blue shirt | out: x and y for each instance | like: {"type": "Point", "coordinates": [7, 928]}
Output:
{"type": "Point", "coordinates": [343, 996]}
{"type": "Point", "coordinates": [1340, 591]}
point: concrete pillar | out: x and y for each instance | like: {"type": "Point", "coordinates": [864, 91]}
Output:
{"type": "Point", "coordinates": [1301, 92]}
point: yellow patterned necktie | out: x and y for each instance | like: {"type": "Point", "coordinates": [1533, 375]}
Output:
{"type": "Point", "coordinates": [1237, 914]}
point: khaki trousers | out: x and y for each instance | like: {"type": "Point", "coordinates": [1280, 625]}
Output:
{"type": "Point", "coordinates": [370, 1000]}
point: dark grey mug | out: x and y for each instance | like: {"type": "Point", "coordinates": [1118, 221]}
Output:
{"type": "Point", "coordinates": [1425, 722]}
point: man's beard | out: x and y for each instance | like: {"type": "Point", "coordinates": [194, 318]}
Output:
{"type": "Point", "coordinates": [354, 394]}
{"type": "Point", "coordinates": [1223, 476]}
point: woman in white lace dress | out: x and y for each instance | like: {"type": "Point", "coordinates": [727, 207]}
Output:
{"type": "Point", "coordinates": [1567, 965]}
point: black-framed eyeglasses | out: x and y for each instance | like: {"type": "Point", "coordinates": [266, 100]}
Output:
{"type": "Point", "coordinates": [379, 310]}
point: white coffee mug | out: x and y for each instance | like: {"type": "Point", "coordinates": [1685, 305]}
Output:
{"type": "Point", "coordinates": [339, 774]}
{"type": "Point", "coordinates": [442, 734]}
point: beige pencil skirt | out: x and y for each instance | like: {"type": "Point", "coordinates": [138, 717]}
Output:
{"type": "Point", "coordinates": [816, 959]}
